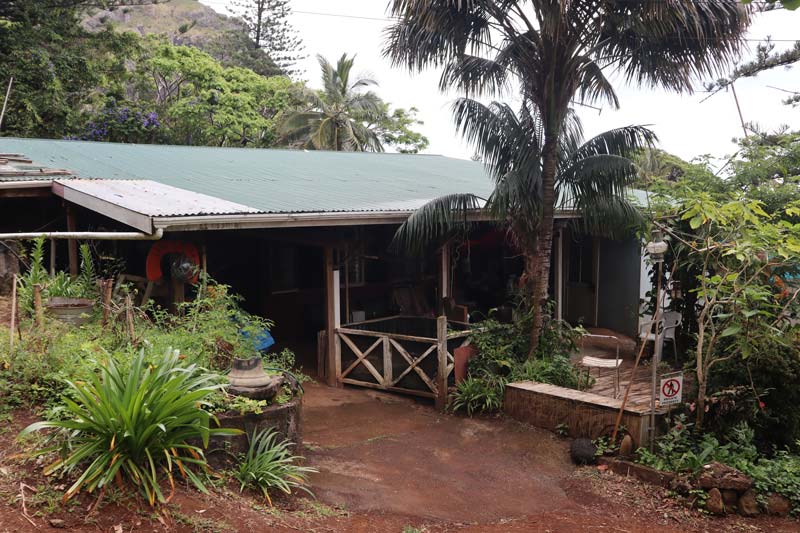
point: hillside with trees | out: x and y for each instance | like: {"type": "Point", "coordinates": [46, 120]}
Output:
{"type": "Point", "coordinates": [172, 73]}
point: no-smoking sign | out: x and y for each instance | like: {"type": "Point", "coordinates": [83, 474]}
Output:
{"type": "Point", "coordinates": [671, 391]}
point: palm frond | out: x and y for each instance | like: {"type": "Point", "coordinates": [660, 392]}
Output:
{"type": "Point", "coordinates": [611, 216]}
{"type": "Point", "coordinates": [670, 43]}
{"type": "Point", "coordinates": [436, 221]}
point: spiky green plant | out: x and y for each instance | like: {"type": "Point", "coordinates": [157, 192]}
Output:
{"type": "Point", "coordinates": [269, 464]}
{"type": "Point", "coordinates": [136, 424]}
{"type": "Point", "coordinates": [88, 276]}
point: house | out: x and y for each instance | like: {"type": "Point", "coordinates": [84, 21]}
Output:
{"type": "Point", "coordinates": [281, 226]}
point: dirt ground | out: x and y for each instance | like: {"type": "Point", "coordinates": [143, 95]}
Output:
{"type": "Point", "coordinates": [386, 463]}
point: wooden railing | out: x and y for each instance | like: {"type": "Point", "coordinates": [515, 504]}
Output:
{"type": "Point", "coordinates": [409, 355]}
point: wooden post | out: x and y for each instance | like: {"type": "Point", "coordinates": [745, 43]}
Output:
{"type": "Point", "coordinates": [129, 318]}
{"type": "Point", "coordinates": [107, 285]}
{"type": "Point", "coordinates": [559, 274]}
{"type": "Point", "coordinates": [72, 244]}
{"type": "Point", "coordinates": [38, 311]}
{"type": "Point", "coordinates": [346, 284]}
{"type": "Point", "coordinates": [337, 322]}
{"type": "Point", "coordinates": [331, 302]}
{"type": "Point", "coordinates": [178, 293]}
{"type": "Point", "coordinates": [441, 375]}
{"type": "Point", "coordinates": [597, 244]}
{"type": "Point", "coordinates": [388, 375]}
{"type": "Point", "coordinates": [13, 313]}
{"type": "Point", "coordinates": [444, 277]}
{"type": "Point", "coordinates": [52, 257]}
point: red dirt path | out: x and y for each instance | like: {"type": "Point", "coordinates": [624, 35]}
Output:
{"type": "Point", "coordinates": [387, 463]}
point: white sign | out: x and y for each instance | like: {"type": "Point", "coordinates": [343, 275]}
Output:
{"type": "Point", "coordinates": [671, 390]}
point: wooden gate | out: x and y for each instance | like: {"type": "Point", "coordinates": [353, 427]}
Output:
{"type": "Point", "coordinates": [410, 355]}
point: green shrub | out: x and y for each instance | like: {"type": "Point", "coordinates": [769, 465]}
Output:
{"type": "Point", "coordinates": [269, 464]}
{"type": "Point", "coordinates": [136, 421]}
{"type": "Point", "coordinates": [503, 357]}
{"type": "Point", "coordinates": [60, 284]}
{"type": "Point", "coordinates": [477, 395]}
{"type": "Point", "coordinates": [681, 450]}
{"type": "Point", "coordinates": [557, 370]}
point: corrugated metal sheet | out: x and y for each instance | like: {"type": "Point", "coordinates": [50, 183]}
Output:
{"type": "Point", "coordinates": [18, 167]}
{"type": "Point", "coordinates": [271, 181]}
{"type": "Point", "coordinates": [155, 199]}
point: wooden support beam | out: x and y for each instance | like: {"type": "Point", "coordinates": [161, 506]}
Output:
{"type": "Point", "coordinates": [52, 257]}
{"type": "Point", "coordinates": [72, 244]}
{"type": "Point", "coordinates": [444, 277]}
{"type": "Point", "coordinates": [332, 375]}
{"type": "Point", "coordinates": [441, 374]}
{"type": "Point", "coordinates": [559, 274]}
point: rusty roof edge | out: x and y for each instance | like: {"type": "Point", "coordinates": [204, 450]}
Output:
{"type": "Point", "coordinates": [287, 220]}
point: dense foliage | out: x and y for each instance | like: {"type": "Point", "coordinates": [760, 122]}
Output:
{"type": "Point", "coordinates": [503, 357]}
{"type": "Point", "coordinates": [270, 465]}
{"type": "Point", "coordinates": [682, 450]}
{"type": "Point", "coordinates": [209, 331]}
{"type": "Point", "coordinates": [735, 256]}
{"type": "Point", "coordinates": [113, 85]}
{"type": "Point", "coordinates": [134, 424]}
{"type": "Point", "coordinates": [60, 284]}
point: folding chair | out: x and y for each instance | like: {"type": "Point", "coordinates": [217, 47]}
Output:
{"type": "Point", "coordinates": [600, 363]}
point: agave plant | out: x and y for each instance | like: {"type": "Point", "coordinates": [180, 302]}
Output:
{"type": "Point", "coordinates": [269, 464]}
{"type": "Point", "coordinates": [135, 424]}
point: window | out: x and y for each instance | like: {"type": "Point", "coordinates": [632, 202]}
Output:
{"type": "Point", "coordinates": [581, 261]}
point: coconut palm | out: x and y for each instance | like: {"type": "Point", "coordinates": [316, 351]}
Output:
{"type": "Point", "coordinates": [337, 117]}
{"type": "Point", "coordinates": [556, 52]}
{"type": "Point", "coordinates": [592, 177]}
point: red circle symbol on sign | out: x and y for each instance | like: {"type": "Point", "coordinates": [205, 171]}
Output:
{"type": "Point", "coordinates": [671, 388]}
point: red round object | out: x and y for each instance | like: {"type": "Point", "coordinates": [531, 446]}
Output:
{"type": "Point", "coordinates": [162, 248]}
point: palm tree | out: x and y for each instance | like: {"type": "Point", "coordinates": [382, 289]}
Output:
{"type": "Point", "coordinates": [556, 51]}
{"type": "Point", "coordinates": [592, 177]}
{"type": "Point", "coordinates": [337, 117]}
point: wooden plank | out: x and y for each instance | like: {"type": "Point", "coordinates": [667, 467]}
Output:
{"type": "Point", "coordinates": [33, 192]}
{"type": "Point", "coordinates": [361, 357]}
{"type": "Point", "coordinates": [413, 362]}
{"type": "Point", "coordinates": [388, 369]}
{"type": "Point", "coordinates": [367, 333]}
{"type": "Point", "coordinates": [337, 321]}
{"type": "Point", "coordinates": [412, 392]}
{"type": "Point", "coordinates": [441, 375]}
{"type": "Point", "coordinates": [371, 320]}
{"type": "Point", "coordinates": [13, 314]}
{"type": "Point", "coordinates": [322, 350]}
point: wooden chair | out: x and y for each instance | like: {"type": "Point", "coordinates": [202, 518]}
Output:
{"type": "Point", "coordinates": [600, 362]}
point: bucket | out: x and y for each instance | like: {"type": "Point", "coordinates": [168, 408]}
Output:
{"type": "Point", "coordinates": [70, 310]}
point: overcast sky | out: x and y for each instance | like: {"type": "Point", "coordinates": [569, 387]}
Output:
{"type": "Point", "coordinates": [685, 126]}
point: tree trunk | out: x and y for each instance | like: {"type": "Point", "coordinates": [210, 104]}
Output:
{"type": "Point", "coordinates": [700, 406]}
{"type": "Point", "coordinates": [544, 240]}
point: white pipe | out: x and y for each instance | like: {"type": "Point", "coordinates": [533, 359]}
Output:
{"type": "Point", "coordinates": [87, 235]}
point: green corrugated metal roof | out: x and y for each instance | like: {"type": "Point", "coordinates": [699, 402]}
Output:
{"type": "Point", "coordinates": [273, 181]}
